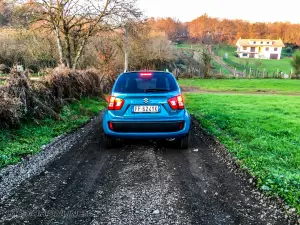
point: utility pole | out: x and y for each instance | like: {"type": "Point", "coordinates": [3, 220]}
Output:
{"type": "Point", "coordinates": [126, 49]}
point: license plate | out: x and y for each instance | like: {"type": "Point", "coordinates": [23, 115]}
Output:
{"type": "Point", "coordinates": [146, 109]}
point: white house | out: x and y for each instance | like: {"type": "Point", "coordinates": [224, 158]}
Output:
{"type": "Point", "coordinates": [259, 48]}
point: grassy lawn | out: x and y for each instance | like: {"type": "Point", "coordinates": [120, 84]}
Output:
{"type": "Point", "coordinates": [245, 85]}
{"type": "Point", "coordinates": [219, 69]}
{"type": "Point", "coordinates": [261, 64]}
{"type": "Point", "coordinates": [15, 144]}
{"type": "Point", "coordinates": [263, 134]}
{"type": "Point", "coordinates": [189, 46]}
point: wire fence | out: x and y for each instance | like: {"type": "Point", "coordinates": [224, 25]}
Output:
{"type": "Point", "coordinates": [250, 72]}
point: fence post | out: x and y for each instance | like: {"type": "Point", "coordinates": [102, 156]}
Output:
{"type": "Point", "coordinates": [250, 72]}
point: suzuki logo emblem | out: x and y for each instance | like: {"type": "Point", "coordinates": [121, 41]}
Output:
{"type": "Point", "coordinates": [146, 100]}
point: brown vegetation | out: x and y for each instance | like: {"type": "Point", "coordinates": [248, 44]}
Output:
{"type": "Point", "coordinates": [170, 27]}
{"type": "Point", "coordinates": [33, 50]}
{"type": "Point", "coordinates": [21, 98]}
{"type": "Point", "coordinates": [73, 22]}
{"type": "Point", "coordinates": [229, 31]}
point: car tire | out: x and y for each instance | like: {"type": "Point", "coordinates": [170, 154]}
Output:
{"type": "Point", "coordinates": [108, 141]}
{"type": "Point", "coordinates": [184, 142]}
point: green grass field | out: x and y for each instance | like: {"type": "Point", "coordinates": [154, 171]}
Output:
{"type": "Point", "coordinates": [219, 69]}
{"type": "Point", "coordinates": [263, 133]}
{"type": "Point", "coordinates": [15, 144]}
{"type": "Point", "coordinates": [190, 46]}
{"type": "Point", "coordinates": [283, 65]}
{"type": "Point", "coordinates": [284, 86]}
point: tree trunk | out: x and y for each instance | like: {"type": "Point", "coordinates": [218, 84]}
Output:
{"type": "Point", "coordinates": [68, 46]}
{"type": "Point", "coordinates": [80, 49]}
{"type": "Point", "coordinates": [68, 49]}
{"type": "Point", "coordinates": [60, 47]}
{"type": "Point", "coordinates": [79, 53]}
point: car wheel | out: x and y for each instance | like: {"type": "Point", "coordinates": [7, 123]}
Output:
{"type": "Point", "coordinates": [184, 142]}
{"type": "Point", "coordinates": [108, 141]}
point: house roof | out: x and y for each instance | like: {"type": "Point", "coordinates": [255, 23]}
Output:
{"type": "Point", "coordinates": [249, 42]}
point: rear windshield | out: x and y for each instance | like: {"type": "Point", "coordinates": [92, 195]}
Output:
{"type": "Point", "coordinates": [151, 82]}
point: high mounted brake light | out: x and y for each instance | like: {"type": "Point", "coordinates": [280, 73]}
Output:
{"type": "Point", "coordinates": [115, 103]}
{"type": "Point", "coordinates": [176, 102]}
{"type": "Point", "coordinates": [145, 74]}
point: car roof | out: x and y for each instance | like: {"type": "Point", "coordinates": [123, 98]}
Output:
{"type": "Point", "coordinates": [145, 71]}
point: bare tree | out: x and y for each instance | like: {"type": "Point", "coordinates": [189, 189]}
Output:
{"type": "Point", "coordinates": [206, 62]}
{"type": "Point", "coordinates": [149, 50]}
{"type": "Point", "coordinates": [74, 21]}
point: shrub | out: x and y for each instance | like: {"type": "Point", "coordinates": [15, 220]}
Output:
{"type": "Point", "coordinates": [64, 83]}
{"type": "Point", "coordinates": [10, 108]}
{"type": "Point", "coordinates": [21, 46]}
{"type": "Point", "coordinates": [21, 98]}
{"type": "Point", "coordinates": [296, 65]}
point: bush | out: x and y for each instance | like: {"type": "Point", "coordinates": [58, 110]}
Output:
{"type": "Point", "coordinates": [21, 46]}
{"type": "Point", "coordinates": [64, 83]}
{"type": "Point", "coordinates": [21, 98]}
{"type": "Point", "coordinates": [10, 108]}
{"type": "Point", "coordinates": [296, 65]}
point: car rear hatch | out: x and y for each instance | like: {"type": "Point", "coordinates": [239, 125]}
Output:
{"type": "Point", "coordinates": [146, 106]}
{"type": "Point", "coordinates": [146, 103]}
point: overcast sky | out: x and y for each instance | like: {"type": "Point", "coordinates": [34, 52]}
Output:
{"type": "Point", "coordinates": [251, 10]}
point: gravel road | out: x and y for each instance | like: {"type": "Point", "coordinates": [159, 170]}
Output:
{"type": "Point", "coordinates": [142, 182]}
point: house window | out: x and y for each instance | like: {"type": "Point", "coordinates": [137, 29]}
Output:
{"type": "Point", "coordinates": [262, 42]}
{"type": "Point", "coordinates": [267, 49]}
{"type": "Point", "coordinates": [275, 49]}
{"type": "Point", "coordinates": [254, 42]}
{"type": "Point", "coordinates": [244, 48]}
{"type": "Point", "coordinates": [245, 54]}
{"type": "Point", "coordinates": [268, 42]}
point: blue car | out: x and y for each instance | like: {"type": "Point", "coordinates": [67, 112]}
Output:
{"type": "Point", "coordinates": [146, 105]}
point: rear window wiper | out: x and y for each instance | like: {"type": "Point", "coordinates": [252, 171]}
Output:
{"type": "Point", "coordinates": [156, 90]}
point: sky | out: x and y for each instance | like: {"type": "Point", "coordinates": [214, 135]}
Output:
{"type": "Point", "coordinates": [251, 10]}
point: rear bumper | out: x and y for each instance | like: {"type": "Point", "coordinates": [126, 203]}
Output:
{"type": "Point", "coordinates": [147, 127]}
{"type": "Point", "coordinates": [140, 129]}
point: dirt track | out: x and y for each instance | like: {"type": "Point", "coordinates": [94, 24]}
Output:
{"type": "Point", "coordinates": [140, 183]}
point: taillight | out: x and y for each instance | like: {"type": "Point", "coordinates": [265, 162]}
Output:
{"type": "Point", "coordinates": [115, 103]}
{"type": "Point", "coordinates": [176, 102]}
{"type": "Point", "coordinates": [181, 125]}
{"type": "Point", "coordinates": [110, 125]}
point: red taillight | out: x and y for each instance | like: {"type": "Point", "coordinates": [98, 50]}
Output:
{"type": "Point", "coordinates": [181, 125]}
{"type": "Point", "coordinates": [176, 102]}
{"type": "Point", "coordinates": [115, 103]}
{"type": "Point", "coordinates": [110, 125]}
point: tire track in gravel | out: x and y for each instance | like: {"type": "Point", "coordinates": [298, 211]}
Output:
{"type": "Point", "coordinates": [142, 182]}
